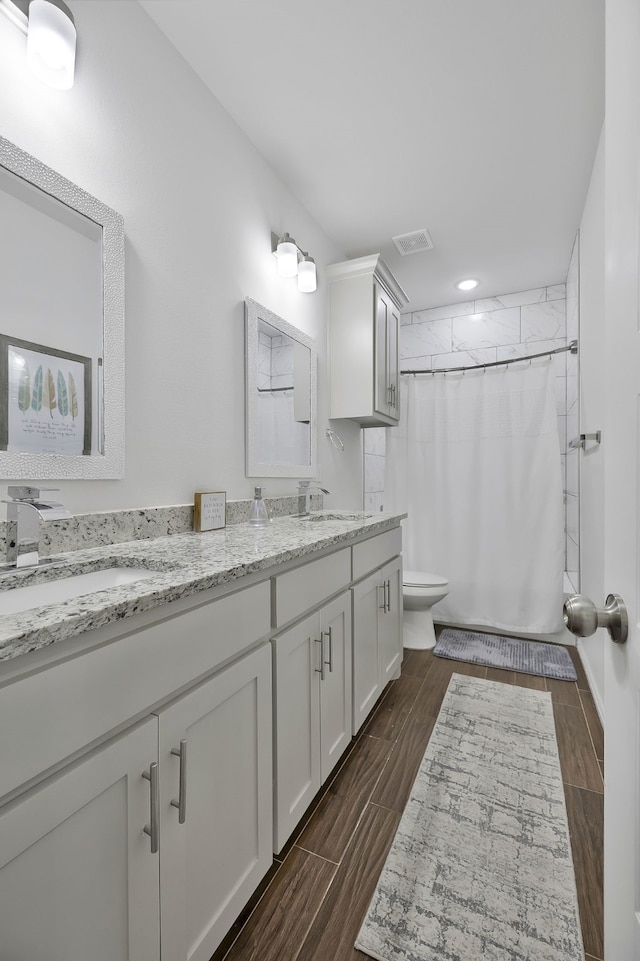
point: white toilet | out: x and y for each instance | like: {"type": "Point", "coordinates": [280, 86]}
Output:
{"type": "Point", "coordinates": [420, 591]}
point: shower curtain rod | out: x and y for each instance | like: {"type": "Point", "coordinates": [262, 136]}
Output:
{"type": "Point", "coordinates": [573, 347]}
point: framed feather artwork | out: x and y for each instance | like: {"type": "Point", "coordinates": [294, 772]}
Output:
{"type": "Point", "coordinates": [45, 399]}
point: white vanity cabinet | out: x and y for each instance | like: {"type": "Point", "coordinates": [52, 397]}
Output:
{"type": "Point", "coordinates": [377, 623]}
{"type": "Point", "coordinates": [148, 763]}
{"type": "Point", "coordinates": [78, 879]}
{"type": "Point", "coordinates": [79, 876]}
{"type": "Point", "coordinates": [364, 323]}
{"type": "Point", "coordinates": [312, 686]}
{"type": "Point", "coordinates": [215, 805]}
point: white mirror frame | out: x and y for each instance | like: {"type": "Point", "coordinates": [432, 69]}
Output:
{"type": "Point", "coordinates": [110, 464]}
{"type": "Point", "coordinates": [255, 312]}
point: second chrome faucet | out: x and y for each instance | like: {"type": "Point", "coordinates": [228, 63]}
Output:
{"type": "Point", "coordinates": [305, 489]}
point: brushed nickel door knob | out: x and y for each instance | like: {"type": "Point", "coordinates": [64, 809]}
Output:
{"type": "Point", "coordinates": [583, 618]}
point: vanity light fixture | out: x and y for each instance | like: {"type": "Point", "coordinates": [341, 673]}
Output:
{"type": "Point", "coordinates": [51, 38]}
{"type": "Point", "coordinates": [294, 262]}
{"type": "Point", "coordinates": [467, 284]}
{"type": "Point", "coordinates": [287, 256]}
{"type": "Point", "coordinates": [307, 282]}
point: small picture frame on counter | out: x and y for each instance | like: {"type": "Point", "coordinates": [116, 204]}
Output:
{"type": "Point", "coordinates": [209, 510]}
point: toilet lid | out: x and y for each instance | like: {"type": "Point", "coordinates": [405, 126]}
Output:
{"type": "Point", "coordinates": [423, 579]}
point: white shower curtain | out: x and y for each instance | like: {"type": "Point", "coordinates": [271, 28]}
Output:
{"type": "Point", "coordinates": [476, 464]}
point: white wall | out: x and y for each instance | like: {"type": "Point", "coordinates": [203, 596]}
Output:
{"type": "Point", "coordinates": [572, 456]}
{"type": "Point", "coordinates": [141, 132]}
{"type": "Point", "coordinates": [591, 417]}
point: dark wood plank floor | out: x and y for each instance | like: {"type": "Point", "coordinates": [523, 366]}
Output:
{"type": "Point", "coordinates": [311, 906]}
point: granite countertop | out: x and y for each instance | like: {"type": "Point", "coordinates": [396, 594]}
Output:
{"type": "Point", "coordinates": [183, 565]}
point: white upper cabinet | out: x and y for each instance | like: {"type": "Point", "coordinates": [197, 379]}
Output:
{"type": "Point", "coordinates": [365, 301]}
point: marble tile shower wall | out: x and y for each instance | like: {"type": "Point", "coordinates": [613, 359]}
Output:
{"type": "Point", "coordinates": [479, 332]}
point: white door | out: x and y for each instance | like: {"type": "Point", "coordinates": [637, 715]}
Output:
{"type": "Point", "coordinates": [393, 359]}
{"type": "Point", "coordinates": [78, 878]}
{"type": "Point", "coordinates": [297, 667]}
{"type": "Point", "coordinates": [381, 353]}
{"type": "Point", "coordinates": [216, 844]}
{"type": "Point", "coordinates": [368, 604]}
{"type": "Point", "coordinates": [390, 623]}
{"type": "Point", "coordinates": [335, 683]}
{"type": "Point", "coordinates": [621, 440]}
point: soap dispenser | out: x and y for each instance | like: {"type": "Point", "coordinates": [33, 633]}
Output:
{"type": "Point", "coordinates": [258, 515]}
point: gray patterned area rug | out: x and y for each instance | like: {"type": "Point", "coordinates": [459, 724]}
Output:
{"type": "Point", "coordinates": [509, 653]}
{"type": "Point", "coordinates": [480, 866]}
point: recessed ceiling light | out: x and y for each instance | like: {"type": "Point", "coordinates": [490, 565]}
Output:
{"type": "Point", "coordinates": [467, 284]}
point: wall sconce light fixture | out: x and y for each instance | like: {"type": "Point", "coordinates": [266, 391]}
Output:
{"type": "Point", "coordinates": [294, 262]}
{"type": "Point", "coordinates": [51, 38]}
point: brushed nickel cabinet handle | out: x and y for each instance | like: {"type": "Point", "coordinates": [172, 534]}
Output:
{"type": "Point", "coordinates": [383, 606]}
{"type": "Point", "coordinates": [152, 829]}
{"type": "Point", "coordinates": [389, 596]}
{"type": "Point", "coordinates": [320, 670]}
{"type": "Point", "coordinates": [181, 803]}
{"type": "Point", "coordinates": [329, 663]}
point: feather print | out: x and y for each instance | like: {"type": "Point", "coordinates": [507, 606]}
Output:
{"type": "Point", "coordinates": [36, 396]}
{"type": "Point", "coordinates": [49, 393]}
{"type": "Point", "coordinates": [24, 389]}
{"type": "Point", "coordinates": [63, 396]}
{"type": "Point", "coordinates": [73, 397]}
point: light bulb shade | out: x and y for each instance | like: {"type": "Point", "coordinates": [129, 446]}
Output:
{"type": "Point", "coordinates": [51, 43]}
{"type": "Point", "coordinates": [287, 254]}
{"type": "Point", "coordinates": [307, 282]}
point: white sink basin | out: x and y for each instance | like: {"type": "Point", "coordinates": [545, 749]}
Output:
{"type": "Point", "coordinates": [18, 599]}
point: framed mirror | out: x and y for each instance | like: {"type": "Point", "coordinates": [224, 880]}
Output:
{"type": "Point", "coordinates": [61, 326]}
{"type": "Point", "coordinates": [281, 385]}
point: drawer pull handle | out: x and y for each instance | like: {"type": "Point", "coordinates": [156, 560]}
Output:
{"type": "Point", "coordinates": [383, 606]}
{"type": "Point", "coordinates": [329, 663]}
{"type": "Point", "coordinates": [151, 829]}
{"type": "Point", "coordinates": [320, 670]}
{"type": "Point", "coordinates": [181, 803]}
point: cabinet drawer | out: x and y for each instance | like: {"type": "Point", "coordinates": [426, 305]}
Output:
{"type": "Point", "coordinates": [305, 587]}
{"type": "Point", "coordinates": [375, 552]}
{"type": "Point", "coordinates": [58, 712]}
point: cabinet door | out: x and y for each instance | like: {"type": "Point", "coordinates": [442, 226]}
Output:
{"type": "Point", "coordinates": [77, 876]}
{"type": "Point", "coordinates": [381, 385]}
{"type": "Point", "coordinates": [390, 626]}
{"type": "Point", "coordinates": [213, 861]}
{"type": "Point", "coordinates": [393, 359]}
{"type": "Point", "coordinates": [367, 604]}
{"type": "Point", "coordinates": [336, 720]}
{"type": "Point", "coordinates": [298, 654]}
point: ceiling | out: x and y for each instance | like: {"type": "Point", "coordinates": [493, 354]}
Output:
{"type": "Point", "coordinates": [475, 119]}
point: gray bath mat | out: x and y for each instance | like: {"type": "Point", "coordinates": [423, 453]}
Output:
{"type": "Point", "coordinates": [480, 866]}
{"type": "Point", "coordinates": [509, 653]}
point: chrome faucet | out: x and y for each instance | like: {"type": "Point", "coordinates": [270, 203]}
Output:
{"type": "Point", "coordinates": [24, 512]}
{"type": "Point", "coordinates": [304, 495]}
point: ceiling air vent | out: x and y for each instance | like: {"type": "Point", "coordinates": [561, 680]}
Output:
{"type": "Point", "coordinates": [414, 242]}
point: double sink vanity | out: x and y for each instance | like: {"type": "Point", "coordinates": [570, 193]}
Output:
{"type": "Point", "coordinates": [171, 706]}
{"type": "Point", "coordinates": [170, 717]}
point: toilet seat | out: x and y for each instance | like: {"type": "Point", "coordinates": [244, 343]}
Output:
{"type": "Point", "coordinates": [423, 579]}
